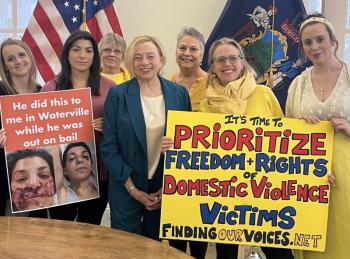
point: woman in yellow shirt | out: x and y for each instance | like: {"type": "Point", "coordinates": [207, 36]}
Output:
{"type": "Point", "coordinates": [112, 49]}
{"type": "Point", "coordinates": [189, 55]}
{"type": "Point", "coordinates": [232, 90]}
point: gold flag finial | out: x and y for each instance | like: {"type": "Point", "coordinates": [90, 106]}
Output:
{"type": "Point", "coordinates": [270, 74]}
{"type": "Point", "coordinates": [84, 16]}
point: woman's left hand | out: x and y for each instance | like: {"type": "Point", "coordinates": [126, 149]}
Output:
{"type": "Point", "coordinates": [341, 124]}
{"type": "Point", "coordinates": [158, 196]}
{"type": "Point", "coordinates": [97, 124]}
{"type": "Point", "coordinates": [166, 144]}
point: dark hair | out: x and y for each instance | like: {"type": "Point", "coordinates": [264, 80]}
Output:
{"type": "Point", "coordinates": [64, 80]}
{"type": "Point", "coordinates": [13, 158]}
{"type": "Point", "coordinates": [329, 30]}
{"type": "Point", "coordinates": [70, 146]}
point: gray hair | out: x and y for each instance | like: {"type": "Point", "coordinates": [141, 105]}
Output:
{"type": "Point", "coordinates": [113, 38]}
{"type": "Point", "coordinates": [193, 32]}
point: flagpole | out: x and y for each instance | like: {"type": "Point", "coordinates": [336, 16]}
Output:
{"type": "Point", "coordinates": [270, 78]}
{"type": "Point", "coordinates": [84, 16]}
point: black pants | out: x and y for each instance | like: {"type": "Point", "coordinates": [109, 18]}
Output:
{"type": "Point", "coordinates": [90, 211]}
{"type": "Point", "coordinates": [225, 251]}
{"type": "Point", "coordinates": [197, 249]}
{"type": "Point", "coordinates": [39, 213]}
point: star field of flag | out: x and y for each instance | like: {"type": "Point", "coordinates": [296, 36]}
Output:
{"type": "Point", "coordinates": [54, 20]}
{"type": "Point", "coordinates": [72, 11]}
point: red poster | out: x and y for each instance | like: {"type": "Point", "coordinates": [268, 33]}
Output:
{"type": "Point", "coordinates": [50, 149]}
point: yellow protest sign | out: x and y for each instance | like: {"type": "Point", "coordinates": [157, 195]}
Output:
{"type": "Point", "coordinates": [247, 180]}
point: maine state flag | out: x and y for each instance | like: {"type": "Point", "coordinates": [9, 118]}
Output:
{"type": "Point", "coordinates": [268, 32]}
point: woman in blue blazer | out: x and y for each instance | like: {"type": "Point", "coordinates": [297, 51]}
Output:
{"type": "Point", "coordinates": [135, 121]}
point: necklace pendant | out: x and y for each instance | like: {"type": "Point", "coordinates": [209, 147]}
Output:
{"type": "Point", "coordinates": [322, 94]}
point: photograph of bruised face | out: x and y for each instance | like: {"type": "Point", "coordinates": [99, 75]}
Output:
{"type": "Point", "coordinates": [77, 166]}
{"type": "Point", "coordinates": [32, 181]}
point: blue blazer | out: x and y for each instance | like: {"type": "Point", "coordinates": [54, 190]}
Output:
{"type": "Point", "coordinates": [124, 148]}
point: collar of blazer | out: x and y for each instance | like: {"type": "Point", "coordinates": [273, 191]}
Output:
{"type": "Point", "coordinates": [134, 88]}
{"type": "Point", "coordinates": [135, 107]}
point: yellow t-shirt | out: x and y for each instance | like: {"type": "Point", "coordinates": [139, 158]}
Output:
{"type": "Point", "coordinates": [119, 78]}
{"type": "Point", "coordinates": [197, 92]}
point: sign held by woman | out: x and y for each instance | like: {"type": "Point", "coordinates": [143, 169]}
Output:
{"type": "Point", "coordinates": [50, 149]}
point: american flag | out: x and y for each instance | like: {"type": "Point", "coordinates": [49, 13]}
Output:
{"type": "Point", "coordinates": [54, 20]}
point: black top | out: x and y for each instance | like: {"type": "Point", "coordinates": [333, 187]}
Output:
{"type": "Point", "coordinates": [4, 190]}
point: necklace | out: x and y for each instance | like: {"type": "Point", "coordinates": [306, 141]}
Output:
{"type": "Point", "coordinates": [322, 94]}
{"type": "Point", "coordinates": [325, 82]}
{"type": "Point", "coordinates": [324, 85]}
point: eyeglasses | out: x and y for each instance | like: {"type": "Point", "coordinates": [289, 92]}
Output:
{"type": "Point", "coordinates": [231, 59]}
{"type": "Point", "coordinates": [116, 52]}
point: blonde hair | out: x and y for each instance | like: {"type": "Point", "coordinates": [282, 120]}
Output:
{"type": "Point", "coordinates": [5, 75]}
{"type": "Point", "coordinates": [226, 41]}
{"type": "Point", "coordinates": [130, 52]}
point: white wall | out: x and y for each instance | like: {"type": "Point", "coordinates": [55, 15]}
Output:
{"type": "Point", "coordinates": [165, 19]}
{"type": "Point", "coordinates": [336, 12]}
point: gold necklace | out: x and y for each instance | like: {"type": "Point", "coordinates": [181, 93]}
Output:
{"type": "Point", "coordinates": [322, 94]}
{"type": "Point", "coordinates": [321, 90]}
{"type": "Point", "coordinates": [318, 87]}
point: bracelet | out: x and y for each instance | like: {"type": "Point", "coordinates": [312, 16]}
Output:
{"type": "Point", "coordinates": [131, 188]}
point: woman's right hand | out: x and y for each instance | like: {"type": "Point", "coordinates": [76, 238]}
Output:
{"type": "Point", "coordinates": [166, 144]}
{"type": "Point", "coordinates": [97, 124]}
{"type": "Point", "coordinates": [2, 138]}
{"type": "Point", "coordinates": [311, 119]}
{"type": "Point", "coordinates": [331, 179]}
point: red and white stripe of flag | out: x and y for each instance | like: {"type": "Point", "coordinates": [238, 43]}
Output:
{"type": "Point", "coordinates": [46, 34]}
